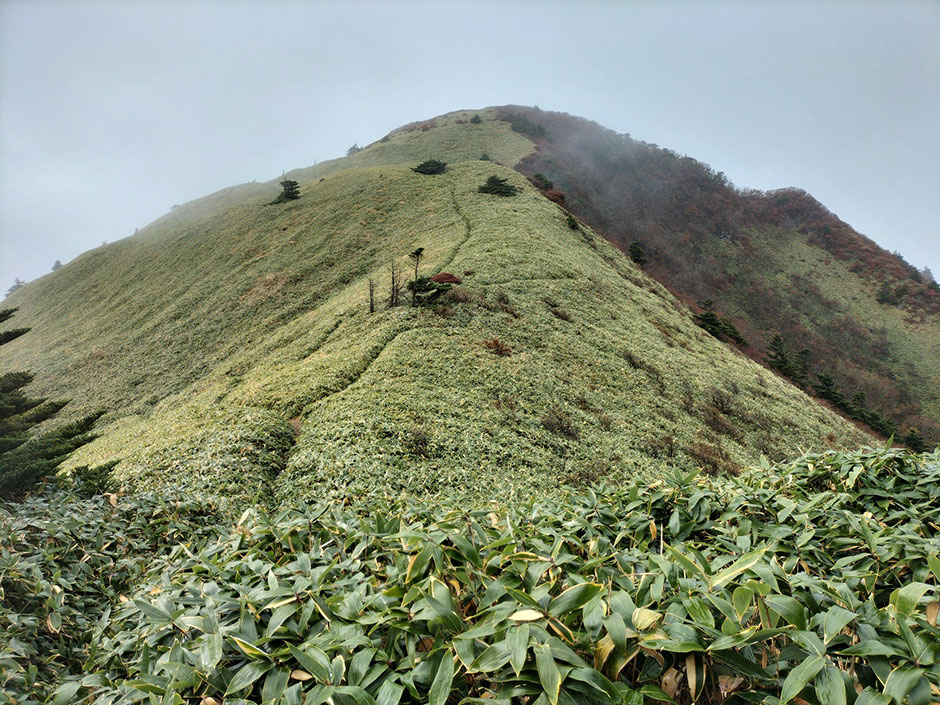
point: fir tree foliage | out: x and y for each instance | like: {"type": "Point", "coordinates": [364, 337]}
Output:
{"type": "Point", "coordinates": [498, 187]}
{"type": "Point", "coordinates": [637, 254]}
{"type": "Point", "coordinates": [56, 265]}
{"type": "Point", "coordinates": [476, 119]}
{"type": "Point", "coordinates": [17, 284]}
{"type": "Point", "coordinates": [430, 166]}
{"type": "Point", "coordinates": [8, 335]}
{"type": "Point", "coordinates": [718, 326]}
{"type": "Point", "coordinates": [25, 459]}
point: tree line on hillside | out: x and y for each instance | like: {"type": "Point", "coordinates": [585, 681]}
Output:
{"type": "Point", "coordinates": [701, 235]}
{"type": "Point", "coordinates": [796, 368]}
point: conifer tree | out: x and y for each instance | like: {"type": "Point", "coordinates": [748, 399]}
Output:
{"type": "Point", "coordinates": [636, 253]}
{"type": "Point", "coordinates": [498, 187]}
{"type": "Point", "coordinates": [777, 358]}
{"type": "Point", "coordinates": [25, 459]}
{"type": "Point", "coordinates": [291, 190]}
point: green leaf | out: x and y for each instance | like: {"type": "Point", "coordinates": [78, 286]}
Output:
{"type": "Point", "coordinates": [250, 649]}
{"type": "Point", "coordinates": [275, 684]}
{"type": "Point", "coordinates": [418, 564]}
{"type": "Point", "coordinates": [830, 688]}
{"type": "Point", "coordinates": [595, 680]}
{"type": "Point", "coordinates": [789, 608]}
{"type": "Point", "coordinates": [870, 647]}
{"type": "Point", "coordinates": [870, 696]}
{"type": "Point", "coordinates": [389, 694]}
{"type": "Point", "coordinates": [65, 693]}
{"type": "Point", "coordinates": [617, 630]}
{"type": "Point", "coordinates": [517, 639]}
{"type": "Point", "coordinates": [906, 598]}
{"type": "Point", "coordinates": [933, 562]}
{"type": "Point", "coordinates": [901, 681]}
{"type": "Point", "coordinates": [247, 674]}
{"type": "Point", "coordinates": [359, 666]}
{"type": "Point", "coordinates": [744, 563]}
{"type": "Point", "coordinates": [688, 564]}
{"type": "Point", "coordinates": [314, 661]}
{"type": "Point", "coordinates": [549, 675]}
{"type": "Point", "coordinates": [493, 657]}
{"type": "Point", "coordinates": [800, 676]}
{"type": "Point", "coordinates": [443, 678]}
{"type": "Point", "coordinates": [699, 611]}
{"type": "Point", "coordinates": [574, 597]}
{"type": "Point", "coordinates": [837, 618]}
{"type": "Point", "coordinates": [741, 599]}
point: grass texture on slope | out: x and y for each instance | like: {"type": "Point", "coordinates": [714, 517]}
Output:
{"type": "Point", "coordinates": [606, 375]}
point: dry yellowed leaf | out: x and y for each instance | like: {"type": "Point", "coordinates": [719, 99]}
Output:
{"type": "Point", "coordinates": [299, 675]}
{"type": "Point", "coordinates": [49, 625]}
{"type": "Point", "coordinates": [670, 682]}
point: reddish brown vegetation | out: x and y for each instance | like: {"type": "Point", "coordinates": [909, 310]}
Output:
{"type": "Point", "coordinates": [446, 278]}
{"type": "Point", "coordinates": [696, 228]}
{"type": "Point", "coordinates": [555, 196]}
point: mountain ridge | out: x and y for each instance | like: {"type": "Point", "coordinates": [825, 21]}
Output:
{"type": "Point", "coordinates": [224, 329]}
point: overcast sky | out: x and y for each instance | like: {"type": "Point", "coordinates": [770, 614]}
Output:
{"type": "Point", "coordinates": [111, 112]}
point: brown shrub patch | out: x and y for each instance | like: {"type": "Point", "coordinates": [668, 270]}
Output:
{"type": "Point", "coordinates": [264, 287]}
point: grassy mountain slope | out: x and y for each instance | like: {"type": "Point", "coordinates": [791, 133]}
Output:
{"type": "Point", "coordinates": [778, 262]}
{"type": "Point", "coordinates": [232, 343]}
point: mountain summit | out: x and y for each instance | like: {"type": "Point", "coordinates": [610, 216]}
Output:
{"type": "Point", "coordinates": [233, 344]}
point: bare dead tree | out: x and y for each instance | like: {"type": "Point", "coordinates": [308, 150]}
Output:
{"type": "Point", "coordinates": [396, 284]}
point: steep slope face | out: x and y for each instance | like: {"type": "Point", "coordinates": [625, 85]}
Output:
{"type": "Point", "coordinates": [779, 263]}
{"type": "Point", "coordinates": [234, 345]}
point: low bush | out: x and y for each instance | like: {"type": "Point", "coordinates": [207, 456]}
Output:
{"type": "Point", "coordinates": [497, 347]}
{"type": "Point", "coordinates": [559, 422]}
{"type": "Point", "coordinates": [498, 187]}
{"type": "Point", "coordinates": [815, 581]}
{"type": "Point", "coordinates": [430, 166]}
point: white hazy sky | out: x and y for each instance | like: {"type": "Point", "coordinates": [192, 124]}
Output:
{"type": "Point", "coordinates": [111, 112]}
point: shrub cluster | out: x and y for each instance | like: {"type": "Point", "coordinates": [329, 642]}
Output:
{"type": "Point", "coordinates": [815, 581]}
{"type": "Point", "coordinates": [498, 187]}
{"type": "Point", "coordinates": [430, 166]}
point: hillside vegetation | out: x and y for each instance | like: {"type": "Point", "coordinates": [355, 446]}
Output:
{"type": "Point", "coordinates": [814, 581]}
{"type": "Point", "coordinates": [777, 263]}
{"type": "Point", "coordinates": [544, 484]}
{"type": "Point", "coordinates": [235, 350]}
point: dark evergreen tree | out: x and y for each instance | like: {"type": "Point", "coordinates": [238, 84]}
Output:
{"type": "Point", "coordinates": [430, 166]}
{"type": "Point", "coordinates": [914, 441]}
{"type": "Point", "coordinates": [801, 367]}
{"type": "Point", "coordinates": [825, 388]}
{"type": "Point", "coordinates": [25, 459]}
{"type": "Point", "coordinates": [8, 335]}
{"type": "Point", "coordinates": [572, 223]}
{"type": "Point", "coordinates": [636, 253]}
{"type": "Point", "coordinates": [291, 190]}
{"type": "Point", "coordinates": [777, 357]}
{"type": "Point", "coordinates": [56, 265]}
{"type": "Point", "coordinates": [498, 187]}
{"type": "Point", "coordinates": [476, 119]}
{"type": "Point", "coordinates": [17, 283]}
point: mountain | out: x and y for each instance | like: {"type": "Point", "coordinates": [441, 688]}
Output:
{"type": "Point", "coordinates": [778, 263]}
{"type": "Point", "coordinates": [232, 342]}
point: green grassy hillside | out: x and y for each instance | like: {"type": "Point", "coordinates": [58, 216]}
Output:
{"type": "Point", "coordinates": [232, 344]}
